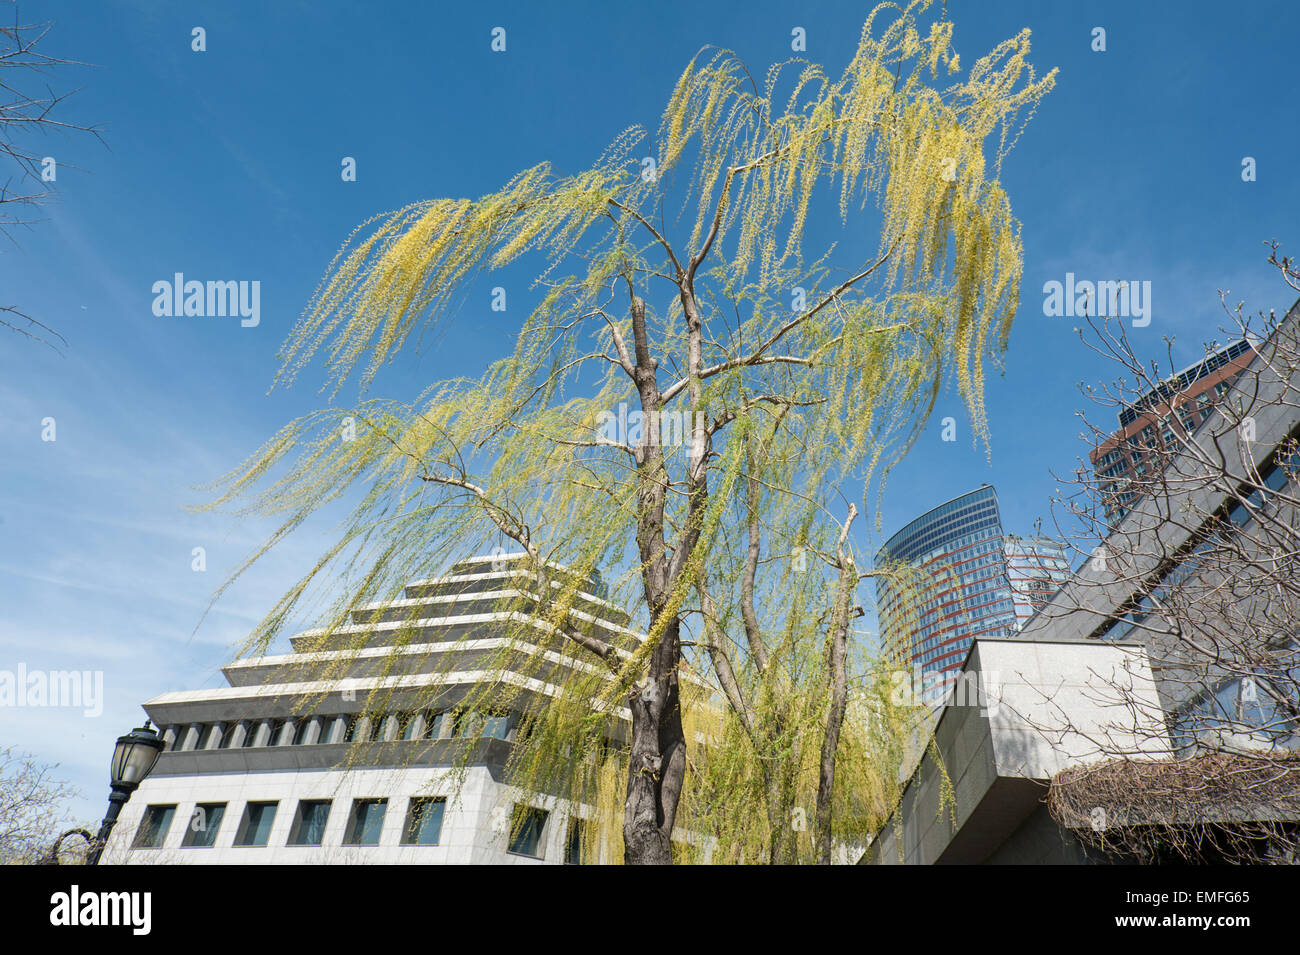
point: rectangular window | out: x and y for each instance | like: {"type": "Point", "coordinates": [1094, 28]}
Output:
{"type": "Point", "coordinates": [577, 842]}
{"type": "Point", "coordinates": [406, 723]}
{"type": "Point", "coordinates": [255, 828]}
{"type": "Point", "coordinates": [326, 730]}
{"type": "Point", "coordinates": [205, 821]}
{"type": "Point", "coordinates": [366, 822]}
{"type": "Point", "coordinates": [424, 822]}
{"type": "Point", "coordinates": [300, 731]}
{"type": "Point", "coordinates": [526, 831]}
{"type": "Point", "coordinates": [350, 734]}
{"type": "Point", "coordinates": [435, 725]}
{"type": "Point", "coordinates": [309, 824]}
{"type": "Point", "coordinates": [273, 737]}
{"type": "Point", "coordinates": [495, 726]}
{"type": "Point", "coordinates": [488, 725]}
{"type": "Point", "coordinates": [153, 827]}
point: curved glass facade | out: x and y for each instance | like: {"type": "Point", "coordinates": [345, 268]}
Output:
{"type": "Point", "coordinates": [968, 570]}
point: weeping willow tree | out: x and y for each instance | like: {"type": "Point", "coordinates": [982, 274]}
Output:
{"type": "Point", "coordinates": [702, 380]}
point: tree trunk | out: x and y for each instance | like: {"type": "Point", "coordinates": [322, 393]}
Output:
{"type": "Point", "coordinates": [784, 849]}
{"type": "Point", "coordinates": [657, 765]}
{"type": "Point", "coordinates": [837, 643]}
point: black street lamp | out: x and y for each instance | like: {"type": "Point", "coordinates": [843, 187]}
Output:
{"type": "Point", "coordinates": [53, 857]}
{"type": "Point", "coordinates": [133, 759]}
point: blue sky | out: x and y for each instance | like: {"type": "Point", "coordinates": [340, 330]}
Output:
{"type": "Point", "coordinates": [225, 165]}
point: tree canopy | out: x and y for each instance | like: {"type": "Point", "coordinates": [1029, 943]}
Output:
{"type": "Point", "coordinates": [704, 384]}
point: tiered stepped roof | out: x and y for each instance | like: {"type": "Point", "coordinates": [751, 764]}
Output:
{"type": "Point", "coordinates": [442, 638]}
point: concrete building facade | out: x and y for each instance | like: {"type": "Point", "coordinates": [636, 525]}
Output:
{"type": "Point", "coordinates": [1033, 708]}
{"type": "Point", "coordinates": [1095, 680]}
{"type": "Point", "coordinates": [1158, 420]}
{"type": "Point", "coordinates": [283, 766]}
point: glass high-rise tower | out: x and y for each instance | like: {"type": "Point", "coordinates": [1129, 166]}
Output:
{"type": "Point", "coordinates": [970, 580]}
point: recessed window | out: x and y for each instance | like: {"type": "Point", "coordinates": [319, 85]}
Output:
{"type": "Point", "coordinates": [326, 730]}
{"type": "Point", "coordinates": [526, 831]}
{"type": "Point", "coordinates": [576, 843]}
{"type": "Point", "coordinates": [424, 822]}
{"type": "Point", "coordinates": [405, 725]}
{"type": "Point", "coordinates": [255, 828]}
{"type": "Point", "coordinates": [205, 821]}
{"type": "Point", "coordinates": [495, 726]}
{"type": "Point", "coordinates": [485, 725]}
{"type": "Point", "coordinates": [465, 723]}
{"type": "Point", "coordinates": [354, 724]}
{"type": "Point", "coordinates": [366, 822]}
{"type": "Point", "coordinates": [300, 731]}
{"type": "Point", "coordinates": [522, 727]}
{"type": "Point", "coordinates": [309, 824]}
{"type": "Point", "coordinates": [272, 738]}
{"type": "Point", "coordinates": [153, 827]}
{"type": "Point", "coordinates": [434, 724]}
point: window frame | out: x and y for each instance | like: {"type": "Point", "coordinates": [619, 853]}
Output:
{"type": "Point", "coordinates": [161, 831]}
{"type": "Point", "coordinates": [416, 803]}
{"type": "Point", "coordinates": [353, 832]}
{"type": "Point", "coordinates": [241, 834]}
{"type": "Point", "coordinates": [517, 831]}
{"type": "Point", "coordinates": [295, 838]}
{"type": "Point", "coordinates": [210, 825]}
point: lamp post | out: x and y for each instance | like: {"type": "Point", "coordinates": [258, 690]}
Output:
{"type": "Point", "coordinates": [53, 857]}
{"type": "Point", "coordinates": [133, 759]}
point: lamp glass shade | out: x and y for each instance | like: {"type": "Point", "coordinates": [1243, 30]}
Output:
{"type": "Point", "coordinates": [134, 756]}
